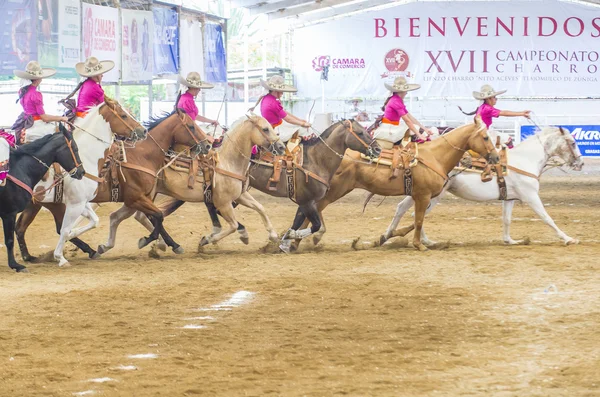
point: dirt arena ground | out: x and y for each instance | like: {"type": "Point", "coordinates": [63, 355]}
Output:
{"type": "Point", "coordinates": [474, 319]}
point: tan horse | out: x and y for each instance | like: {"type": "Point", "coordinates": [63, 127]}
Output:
{"type": "Point", "coordinates": [229, 179]}
{"type": "Point", "coordinates": [137, 180]}
{"type": "Point", "coordinates": [438, 158]}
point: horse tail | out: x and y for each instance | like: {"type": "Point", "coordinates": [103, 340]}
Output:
{"type": "Point", "coordinates": [469, 114]}
{"type": "Point", "coordinates": [369, 197]}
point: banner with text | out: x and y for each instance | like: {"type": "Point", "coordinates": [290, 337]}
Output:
{"type": "Point", "coordinates": [214, 53]}
{"type": "Point", "coordinates": [100, 37]}
{"type": "Point", "coordinates": [69, 33]}
{"type": "Point", "coordinates": [586, 136]}
{"type": "Point", "coordinates": [18, 46]}
{"type": "Point", "coordinates": [166, 41]}
{"type": "Point", "coordinates": [138, 37]}
{"type": "Point", "coordinates": [453, 48]}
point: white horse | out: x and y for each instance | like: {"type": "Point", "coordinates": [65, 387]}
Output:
{"type": "Point", "coordinates": [94, 136]}
{"type": "Point", "coordinates": [527, 161]}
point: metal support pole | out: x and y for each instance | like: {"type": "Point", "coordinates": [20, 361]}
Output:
{"type": "Point", "coordinates": [150, 100]}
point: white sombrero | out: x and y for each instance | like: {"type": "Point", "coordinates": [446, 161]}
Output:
{"type": "Point", "coordinates": [277, 83]}
{"type": "Point", "coordinates": [33, 71]}
{"type": "Point", "coordinates": [193, 80]}
{"type": "Point", "coordinates": [486, 92]}
{"type": "Point", "coordinates": [93, 67]}
{"type": "Point", "coordinates": [401, 85]}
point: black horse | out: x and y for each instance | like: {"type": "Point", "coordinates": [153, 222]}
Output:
{"type": "Point", "coordinates": [28, 164]}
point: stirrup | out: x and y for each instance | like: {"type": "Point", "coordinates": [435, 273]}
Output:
{"type": "Point", "coordinates": [272, 185]}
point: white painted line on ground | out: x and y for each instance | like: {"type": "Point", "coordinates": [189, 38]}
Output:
{"type": "Point", "coordinates": [208, 318]}
{"type": "Point", "coordinates": [101, 380]}
{"type": "Point", "coordinates": [85, 393]}
{"type": "Point", "coordinates": [237, 299]}
{"type": "Point", "coordinates": [145, 355]}
{"type": "Point", "coordinates": [193, 326]}
{"type": "Point", "coordinates": [125, 368]}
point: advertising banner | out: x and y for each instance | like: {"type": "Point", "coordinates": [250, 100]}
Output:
{"type": "Point", "coordinates": [138, 37]}
{"type": "Point", "coordinates": [69, 33]}
{"type": "Point", "coordinates": [101, 37]}
{"type": "Point", "coordinates": [530, 48]}
{"type": "Point", "coordinates": [214, 52]}
{"type": "Point", "coordinates": [47, 33]}
{"type": "Point", "coordinates": [192, 59]}
{"type": "Point", "coordinates": [18, 22]}
{"type": "Point", "coordinates": [166, 41]}
{"type": "Point", "coordinates": [586, 136]}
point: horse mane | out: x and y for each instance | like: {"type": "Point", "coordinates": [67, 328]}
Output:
{"type": "Point", "coordinates": [156, 120]}
{"type": "Point", "coordinates": [317, 138]}
{"type": "Point", "coordinates": [34, 147]}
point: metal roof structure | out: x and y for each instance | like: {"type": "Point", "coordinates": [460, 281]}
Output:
{"type": "Point", "coordinates": [300, 12]}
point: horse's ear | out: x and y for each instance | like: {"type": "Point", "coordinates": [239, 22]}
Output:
{"type": "Point", "coordinates": [562, 130]}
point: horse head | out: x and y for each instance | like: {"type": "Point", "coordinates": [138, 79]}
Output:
{"type": "Point", "coordinates": [187, 133]}
{"type": "Point", "coordinates": [359, 139]}
{"type": "Point", "coordinates": [262, 134]}
{"type": "Point", "coordinates": [480, 142]}
{"type": "Point", "coordinates": [66, 153]}
{"type": "Point", "coordinates": [121, 122]}
{"type": "Point", "coordinates": [560, 143]}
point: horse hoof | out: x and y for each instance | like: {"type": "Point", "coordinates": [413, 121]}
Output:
{"type": "Point", "coordinates": [245, 239]}
{"type": "Point", "coordinates": [573, 241]}
{"type": "Point", "coordinates": [294, 247]}
{"type": "Point", "coordinates": [421, 248]}
{"type": "Point", "coordinates": [94, 255]}
{"type": "Point", "coordinates": [317, 239]}
{"type": "Point", "coordinates": [382, 239]}
{"type": "Point", "coordinates": [31, 259]}
{"type": "Point", "coordinates": [284, 248]}
{"type": "Point", "coordinates": [102, 249]}
{"type": "Point", "coordinates": [178, 250]}
{"type": "Point", "coordinates": [161, 246]}
{"type": "Point", "coordinates": [19, 268]}
{"type": "Point", "coordinates": [64, 264]}
{"type": "Point", "coordinates": [274, 238]}
{"type": "Point", "coordinates": [204, 241]}
{"type": "Point", "coordinates": [142, 242]}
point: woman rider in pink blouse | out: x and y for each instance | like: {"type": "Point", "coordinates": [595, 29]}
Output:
{"type": "Point", "coordinates": [90, 90]}
{"type": "Point", "coordinates": [270, 105]}
{"type": "Point", "coordinates": [33, 105]}
{"type": "Point", "coordinates": [487, 111]}
{"type": "Point", "coordinates": [186, 101]}
{"type": "Point", "coordinates": [394, 109]}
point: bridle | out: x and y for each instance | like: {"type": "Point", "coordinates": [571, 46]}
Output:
{"type": "Point", "coordinates": [181, 117]}
{"type": "Point", "coordinates": [348, 125]}
{"type": "Point", "coordinates": [489, 146]}
{"type": "Point", "coordinates": [73, 156]}
{"type": "Point", "coordinates": [118, 116]}
{"type": "Point", "coordinates": [272, 142]}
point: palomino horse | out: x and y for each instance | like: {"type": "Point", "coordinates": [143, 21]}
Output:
{"type": "Point", "coordinates": [28, 164]}
{"type": "Point", "coordinates": [137, 176]}
{"type": "Point", "coordinates": [526, 163]}
{"type": "Point", "coordinates": [230, 175]}
{"type": "Point", "coordinates": [94, 134]}
{"type": "Point", "coordinates": [435, 160]}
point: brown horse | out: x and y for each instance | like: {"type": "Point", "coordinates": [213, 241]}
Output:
{"type": "Point", "coordinates": [437, 159]}
{"type": "Point", "coordinates": [137, 179]}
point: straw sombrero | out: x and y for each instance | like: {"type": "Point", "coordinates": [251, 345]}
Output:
{"type": "Point", "coordinates": [193, 80]}
{"type": "Point", "coordinates": [401, 85]}
{"type": "Point", "coordinates": [354, 100]}
{"type": "Point", "coordinates": [93, 67]}
{"type": "Point", "coordinates": [277, 83]}
{"type": "Point", "coordinates": [33, 71]}
{"type": "Point", "coordinates": [486, 92]}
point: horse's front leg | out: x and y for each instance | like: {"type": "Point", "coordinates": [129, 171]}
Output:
{"type": "Point", "coordinates": [421, 203]}
{"type": "Point", "coordinates": [8, 223]}
{"type": "Point", "coordinates": [401, 209]}
{"type": "Point", "coordinates": [537, 206]}
{"type": "Point", "coordinates": [227, 212]}
{"type": "Point", "coordinates": [72, 213]}
{"type": "Point", "coordinates": [25, 219]}
{"type": "Point", "coordinates": [248, 201]}
{"type": "Point", "coordinates": [116, 218]}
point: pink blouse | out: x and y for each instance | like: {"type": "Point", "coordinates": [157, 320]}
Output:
{"type": "Point", "coordinates": [32, 102]}
{"type": "Point", "coordinates": [395, 108]}
{"type": "Point", "coordinates": [272, 110]}
{"type": "Point", "coordinates": [487, 112]}
{"type": "Point", "coordinates": [91, 94]}
{"type": "Point", "coordinates": [187, 103]}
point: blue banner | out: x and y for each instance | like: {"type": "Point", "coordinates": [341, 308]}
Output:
{"type": "Point", "coordinates": [19, 35]}
{"type": "Point", "coordinates": [166, 41]}
{"type": "Point", "coordinates": [215, 66]}
{"type": "Point", "coordinates": [586, 136]}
